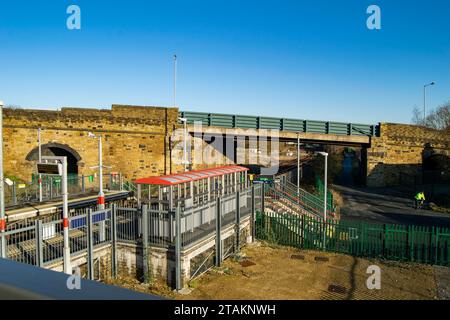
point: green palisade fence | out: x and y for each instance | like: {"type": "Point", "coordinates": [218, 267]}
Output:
{"type": "Point", "coordinates": [430, 245]}
{"type": "Point", "coordinates": [296, 125]}
{"type": "Point", "coordinates": [321, 188]}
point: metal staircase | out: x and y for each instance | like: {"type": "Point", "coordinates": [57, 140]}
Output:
{"type": "Point", "coordinates": [284, 198]}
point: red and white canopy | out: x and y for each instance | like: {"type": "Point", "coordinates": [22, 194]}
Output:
{"type": "Point", "coordinates": [174, 179]}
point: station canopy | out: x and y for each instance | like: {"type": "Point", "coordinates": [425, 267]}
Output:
{"type": "Point", "coordinates": [174, 179]}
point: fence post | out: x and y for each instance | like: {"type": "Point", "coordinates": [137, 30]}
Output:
{"type": "Point", "coordinates": [50, 196]}
{"type": "Point", "coordinates": [252, 217]}
{"type": "Point", "coordinates": [90, 246]}
{"type": "Point", "coordinates": [102, 230]}
{"type": "Point", "coordinates": [263, 205]}
{"type": "Point", "coordinates": [171, 231]}
{"type": "Point", "coordinates": [238, 221]}
{"type": "Point", "coordinates": [14, 193]}
{"type": "Point", "coordinates": [436, 244]}
{"type": "Point", "coordinates": [218, 234]}
{"type": "Point", "coordinates": [83, 185]}
{"type": "Point", "coordinates": [178, 272]}
{"type": "Point", "coordinates": [145, 243]}
{"type": "Point", "coordinates": [303, 232]}
{"type": "Point", "coordinates": [114, 241]}
{"type": "Point", "coordinates": [39, 249]}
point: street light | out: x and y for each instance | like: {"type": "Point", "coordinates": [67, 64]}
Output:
{"type": "Point", "coordinates": [298, 166]}
{"type": "Point", "coordinates": [424, 100]}
{"type": "Point", "coordinates": [58, 166]}
{"type": "Point", "coordinates": [174, 80]}
{"type": "Point", "coordinates": [325, 191]}
{"type": "Point", "coordinates": [2, 191]}
{"type": "Point", "coordinates": [40, 160]}
{"type": "Point", "coordinates": [101, 195]}
{"type": "Point", "coordinates": [185, 160]}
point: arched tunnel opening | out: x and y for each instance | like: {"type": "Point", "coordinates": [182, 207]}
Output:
{"type": "Point", "coordinates": [72, 162]}
{"type": "Point", "coordinates": [61, 150]}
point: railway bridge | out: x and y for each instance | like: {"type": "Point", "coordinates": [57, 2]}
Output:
{"type": "Point", "coordinates": [144, 140]}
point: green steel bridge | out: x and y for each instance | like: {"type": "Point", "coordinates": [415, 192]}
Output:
{"type": "Point", "coordinates": [282, 124]}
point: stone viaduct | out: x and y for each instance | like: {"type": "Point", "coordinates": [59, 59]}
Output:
{"type": "Point", "coordinates": [141, 141]}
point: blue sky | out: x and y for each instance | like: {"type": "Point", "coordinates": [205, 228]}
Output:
{"type": "Point", "coordinates": [297, 59]}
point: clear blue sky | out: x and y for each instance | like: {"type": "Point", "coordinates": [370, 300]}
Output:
{"type": "Point", "coordinates": [299, 59]}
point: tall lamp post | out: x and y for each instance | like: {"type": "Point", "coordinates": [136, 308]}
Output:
{"type": "Point", "coordinates": [185, 160]}
{"type": "Point", "coordinates": [40, 160]}
{"type": "Point", "coordinates": [101, 194]}
{"type": "Point", "coordinates": [424, 100]}
{"type": "Point", "coordinates": [298, 166]}
{"type": "Point", "coordinates": [58, 166]}
{"type": "Point", "coordinates": [2, 191]}
{"type": "Point", "coordinates": [325, 191]}
{"type": "Point", "coordinates": [174, 80]}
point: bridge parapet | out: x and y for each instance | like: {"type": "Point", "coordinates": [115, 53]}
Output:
{"type": "Point", "coordinates": [282, 124]}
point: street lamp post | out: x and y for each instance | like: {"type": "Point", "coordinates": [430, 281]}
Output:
{"type": "Point", "coordinates": [185, 160]}
{"type": "Point", "coordinates": [298, 166]}
{"type": "Point", "coordinates": [2, 191]}
{"type": "Point", "coordinates": [174, 80]}
{"type": "Point", "coordinates": [40, 160]}
{"type": "Point", "coordinates": [101, 194]}
{"type": "Point", "coordinates": [325, 191]}
{"type": "Point", "coordinates": [63, 172]}
{"type": "Point", "coordinates": [424, 100]}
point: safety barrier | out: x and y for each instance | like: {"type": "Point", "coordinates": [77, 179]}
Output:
{"type": "Point", "coordinates": [430, 245]}
{"type": "Point", "coordinates": [283, 124]}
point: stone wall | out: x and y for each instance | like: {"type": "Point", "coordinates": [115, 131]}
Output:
{"type": "Point", "coordinates": [395, 158]}
{"type": "Point", "coordinates": [136, 140]}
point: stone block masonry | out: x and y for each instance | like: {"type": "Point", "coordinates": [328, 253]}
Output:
{"type": "Point", "coordinates": [136, 140]}
{"type": "Point", "coordinates": [399, 152]}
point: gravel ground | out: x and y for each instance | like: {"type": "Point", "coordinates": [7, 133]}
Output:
{"type": "Point", "coordinates": [283, 273]}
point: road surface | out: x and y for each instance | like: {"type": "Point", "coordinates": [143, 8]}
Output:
{"type": "Point", "coordinates": [386, 205]}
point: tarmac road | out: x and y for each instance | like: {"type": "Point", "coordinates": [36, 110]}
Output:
{"type": "Point", "coordinates": [386, 205]}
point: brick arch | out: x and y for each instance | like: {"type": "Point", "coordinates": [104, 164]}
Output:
{"type": "Point", "coordinates": [58, 149]}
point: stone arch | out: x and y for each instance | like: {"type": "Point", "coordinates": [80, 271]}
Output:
{"type": "Point", "coordinates": [57, 149]}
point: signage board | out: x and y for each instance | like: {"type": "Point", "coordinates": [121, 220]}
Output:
{"type": "Point", "coordinates": [49, 168]}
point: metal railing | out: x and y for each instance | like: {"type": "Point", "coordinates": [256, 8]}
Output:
{"type": "Point", "coordinates": [308, 201]}
{"type": "Point", "coordinates": [40, 242]}
{"type": "Point", "coordinates": [430, 245]}
{"type": "Point", "coordinates": [196, 222]}
{"type": "Point", "coordinates": [283, 124]}
{"type": "Point", "coordinates": [21, 193]}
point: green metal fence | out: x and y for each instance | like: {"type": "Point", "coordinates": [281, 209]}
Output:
{"type": "Point", "coordinates": [283, 124]}
{"type": "Point", "coordinates": [321, 189]}
{"type": "Point", "coordinates": [430, 245]}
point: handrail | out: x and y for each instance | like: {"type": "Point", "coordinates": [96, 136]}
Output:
{"type": "Point", "coordinates": [313, 209]}
{"type": "Point", "coordinates": [308, 197]}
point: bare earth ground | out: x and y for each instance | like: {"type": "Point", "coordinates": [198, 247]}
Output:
{"type": "Point", "coordinates": [275, 275]}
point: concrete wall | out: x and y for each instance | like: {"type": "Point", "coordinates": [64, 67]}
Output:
{"type": "Point", "coordinates": [399, 153]}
